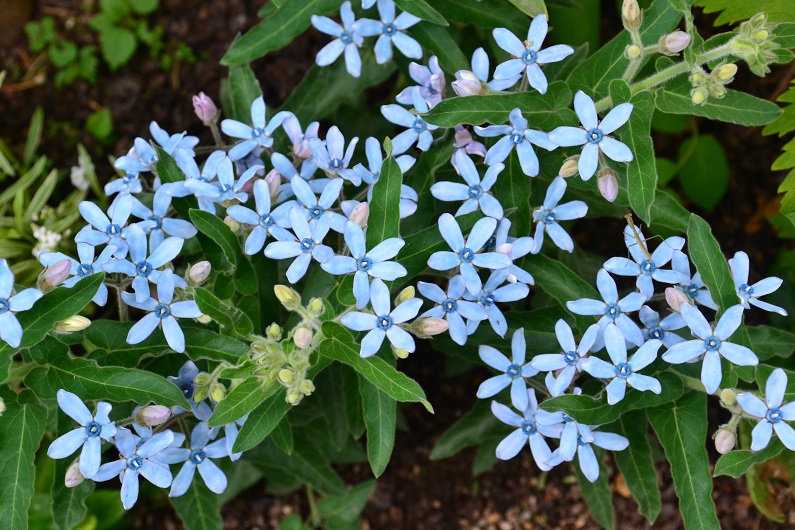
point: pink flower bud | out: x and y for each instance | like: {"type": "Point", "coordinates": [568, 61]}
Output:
{"type": "Point", "coordinates": [205, 108]}
{"type": "Point", "coordinates": [429, 326]}
{"type": "Point", "coordinates": [55, 275]}
{"type": "Point", "coordinates": [464, 140]}
{"type": "Point", "coordinates": [152, 415]}
{"type": "Point", "coordinates": [674, 43]}
{"type": "Point", "coordinates": [302, 337]}
{"type": "Point", "coordinates": [360, 214]}
{"type": "Point", "coordinates": [608, 184]}
{"type": "Point", "coordinates": [466, 83]}
{"type": "Point", "coordinates": [199, 273]}
{"type": "Point", "coordinates": [631, 15]}
{"type": "Point", "coordinates": [274, 180]}
{"type": "Point", "coordinates": [675, 298]}
{"type": "Point", "coordinates": [725, 440]}
{"type": "Point", "coordinates": [505, 248]}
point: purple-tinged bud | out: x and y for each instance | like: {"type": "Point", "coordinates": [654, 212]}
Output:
{"type": "Point", "coordinates": [152, 415]}
{"type": "Point", "coordinates": [569, 167]}
{"type": "Point", "coordinates": [53, 276]}
{"type": "Point", "coordinates": [631, 15]}
{"type": "Point", "coordinates": [199, 273]}
{"type": "Point", "coordinates": [608, 184]}
{"type": "Point", "coordinates": [467, 83]}
{"type": "Point", "coordinates": [428, 326]}
{"type": "Point", "coordinates": [675, 298]}
{"type": "Point", "coordinates": [302, 337]}
{"type": "Point", "coordinates": [725, 440]}
{"type": "Point", "coordinates": [360, 214]}
{"type": "Point", "coordinates": [205, 108]}
{"type": "Point", "coordinates": [274, 180]}
{"type": "Point", "coordinates": [674, 42]}
{"type": "Point", "coordinates": [73, 477]}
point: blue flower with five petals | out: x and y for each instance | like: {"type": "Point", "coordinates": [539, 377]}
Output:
{"type": "Point", "coordinates": [313, 207]}
{"type": "Point", "coordinates": [694, 287]}
{"type": "Point", "coordinates": [661, 329]}
{"type": "Point", "coordinates": [749, 294]}
{"type": "Point", "coordinates": [772, 413]}
{"type": "Point", "coordinates": [10, 328]}
{"type": "Point", "coordinates": [514, 371]}
{"type": "Point", "coordinates": [266, 221]}
{"type": "Point", "coordinates": [197, 457]}
{"type": "Point", "coordinates": [332, 156]}
{"type": "Point", "coordinates": [186, 382]}
{"type": "Point", "coordinates": [260, 135]}
{"type": "Point", "coordinates": [452, 307]}
{"type": "Point", "coordinates": [348, 40]}
{"type": "Point", "coordinates": [476, 192]}
{"type": "Point", "coordinates": [106, 231]}
{"type": "Point", "coordinates": [548, 216]}
{"type": "Point", "coordinates": [493, 292]}
{"type": "Point", "coordinates": [156, 223]}
{"type": "Point", "coordinates": [529, 431]}
{"type": "Point", "coordinates": [516, 135]}
{"type": "Point", "coordinates": [86, 266]}
{"type": "Point", "coordinates": [589, 464]}
{"type": "Point", "coordinates": [418, 130]}
{"type": "Point", "coordinates": [569, 360]}
{"type": "Point", "coordinates": [306, 244]}
{"type": "Point", "coordinates": [390, 30]}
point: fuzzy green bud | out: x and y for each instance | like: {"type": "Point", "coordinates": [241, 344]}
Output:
{"type": "Point", "coordinates": [406, 294]}
{"type": "Point", "coordinates": [233, 225]}
{"type": "Point", "coordinates": [218, 392]}
{"type": "Point", "coordinates": [306, 387]}
{"type": "Point", "coordinates": [633, 52]}
{"type": "Point", "coordinates": [724, 73]}
{"type": "Point", "coordinates": [631, 15]}
{"type": "Point", "coordinates": [202, 379]}
{"type": "Point", "coordinates": [289, 298]}
{"type": "Point", "coordinates": [728, 397]}
{"type": "Point", "coordinates": [204, 319]}
{"type": "Point", "coordinates": [569, 167]}
{"type": "Point", "coordinates": [316, 307]}
{"type": "Point", "coordinates": [294, 397]}
{"type": "Point", "coordinates": [400, 354]}
{"type": "Point", "coordinates": [200, 392]}
{"type": "Point", "coordinates": [699, 96]}
{"type": "Point", "coordinates": [286, 376]}
{"type": "Point", "coordinates": [717, 91]}
{"type": "Point", "coordinates": [274, 331]}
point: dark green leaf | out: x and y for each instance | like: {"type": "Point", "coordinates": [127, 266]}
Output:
{"type": "Point", "coordinates": [768, 342]}
{"type": "Point", "coordinates": [597, 494]}
{"type": "Point", "coordinates": [118, 45]}
{"type": "Point", "coordinates": [331, 396]}
{"type": "Point", "coordinates": [243, 398]}
{"type": "Point", "coordinates": [738, 462]}
{"type": "Point", "coordinates": [384, 219]}
{"type": "Point", "coordinates": [530, 8]}
{"type": "Point", "coordinates": [238, 92]}
{"type": "Point", "coordinates": [471, 429]}
{"type": "Point", "coordinates": [636, 463]}
{"type": "Point", "coordinates": [422, 9]}
{"type": "Point", "coordinates": [68, 504]}
{"type": "Point", "coordinates": [380, 412]}
{"type": "Point", "coordinates": [282, 436]}
{"type": "Point", "coordinates": [513, 189]}
{"type": "Point", "coordinates": [438, 41]}
{"type": "Point", "coordinates": [199, 508]}
{"type": "Point", "coordinates": [703, 170]}
{"type": "Point", "coordinates": [230, 318]}
{"type": "Point", "coordinates": [347, 507]}
{"type": "Point", "coordinates": [262, 421]}
{"type": "Point", "coordinates": [484, 13]}
{"type": "Point", "coordinates": [421, 177]}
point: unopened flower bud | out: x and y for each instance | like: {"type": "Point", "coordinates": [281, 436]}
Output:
{"type": "Point", "coordinates": [289, 298]}
{"type": "Point", "coordinates": [406, 294]}
{"type": "Point", "coordinates": [675, 298]}
{"type": "Point", "coordinates": [631, 15]}
{"type": "Point", "coordinates": [698, 77]}
{"type": "Point", "coordinates": [569, 167]}
{"type": "Point", "coordinates": [204, 319]}
{"type": "Point", "coordinates": [53, 276]}
{"type": "Point", "coordinates": [73, 477]}
{"type": "Point", "coordinates": [760, 35]}
{"type": "Point", "coordinates": [724, 73]}
{"type": "Point", "coordinates": [274, 180]}
{"type": "Point", "coordinates": [205, 108]}
{"type": "Point", "coordinates": [306, 387]}
{"type": "Point", "coordinates": [202, 379]}
{"type": "Point", "coordinates": [218, 392]}
{"type": "Point", "coordinates": [72, 324]}
{"type": "Point", "coordinates": [274, 331]}
{"type": "Point", "coordinates": [286, 376]}
{"type": "Point", "coordinates": [294, 397]}
{"type": "Point", "coordinates": [302, 337]}
{"type": "Point", "coordinates": [505, 248]}
{"type": "Point", "coordinates": [400, 354]}
{"type": "Point", "coordinates": [316, 307]}
{"type": "Point", "coordinates": [2, 406]}
{"type": "Point", "coordinates": [425, 327]}
{"type": "Point", "coordinates": [233, 225]}
{"type": "Point", "coordinates": [466, 83]}
{"type": "Point", "coordinates": [728, 397]}
{"type": "Point", "coordinates": [725, 440]}
{"type": "Point", "coordinates": [199, 273]}
{"type": "Point", "coordinates": [152, 415]}
{"type": "Point", "coordinates": [607, 183]}
{"type": "Point", "coordinates": [699, 96]}
{"type": "Point", "coordinates": [633, 52]}
{"type": "Point", "coordinates": [674, 42]}
{"type": "Point", "coordinates": [360, 214]}
{"type": "Point", "coordinates": [717, 91]}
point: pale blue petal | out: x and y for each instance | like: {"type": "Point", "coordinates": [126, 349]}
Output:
{"type": "Point", "coordinates": [586, 110]}
{"type": "Point", "coordinates": [589, 161]}
{"type": "Point", "coordinates": [616, 389]}
{"type": "Point", "coordinates": [586, 306]}
{"type": "Point", "coordinates": [359, 321]}
{"type": "Point", "coordinates": [142, 329]}
{"type": "Point", "coordinates": [729, 322]}
{"type": "Point", "coordinates": [761, 434]}
{"type": "Point", "coordinates": [711, 373]}
{"type": "Point", "coordinates": [493, 386]}
{"type": "Point", "coordinates": [508, 42]}
{"type": "Point", "coordinates": [786, 434]}
{"type": "Point", "coordinates": [739, 355]}
{"type": "Point", "coordinates": [617, 117]}
{"type": "Point", "coordinates": [67, 444]}
{"type": "Point", "coordinates": [183, 480]}
{"type": "Point", "coordinates": [91, 456]}
{"type": "Point", "coordinates": [568, 136]}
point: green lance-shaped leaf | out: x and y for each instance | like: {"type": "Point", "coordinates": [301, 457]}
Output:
{"type": "Point", "coordinates": [421, 177]}
{"type": "Point", "coordinates": [735, 107]}
{"type": "Point", "coordinates": [384, 219]}
{"type": "Point", "coordinates": [243, 398]}
{"type": "Point", "coordinates": [768, 342]}
{"type": "Point", "coordinates": [22, 425]}
{"type": "Point", "coordinates": [199, 508]}
{"type": "Point", "coordinates": [339, 346]}
{"type": "Point", "coordinates": [53, 307]}
{"type": "Point", "coordinates": [380, 416]}
{"type": "Point", "coordinates": [68, 504]}
{"type": "Point", "coordinates": [422, 9]}
{"type": "Point", "coordinates": [238, 92]}
{"type": "Point", "coordinates": [438, 41]}
{"type": "Point", "coordinates": [636, 463]}
{"type": "Point", "coordinates": [488, 14]}
{"type": "Point", "coordinates": [737, 463]}
{"type": "Point", "coordinates": [681, 427]}
{"type": "Point", "coordinates": [262, 420]}
{"type": "Point", "coordinates": [544, 112]}
{"type": "Point", "coordinates": [278, 30]}
{"type": "Point", "coordinates": [230, 318]}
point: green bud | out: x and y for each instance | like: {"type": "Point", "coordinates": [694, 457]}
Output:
{"type": "Point", "coordinates": [316, 307]}
{"type": "Point", "coordinates": [699, 96]}
{"type": "Point", "coordinates": [286, 376]}
{"type": "Point", "coordinates": [406, 294]}
{"type": "Point", "coordinates": [202, 379]}
{"type": "Point", "coordinates": [200, 392]}
{"type": "Point", "coordinates": [294, 397]}
{"type": "Point", "coordinates": [288, 297]}
{"type": "Point", "coordinates": [717, 91]}
{"type": "Point", "coordinates": [728, 397]}
{"type": "Point", "coordinates": [306, 387]}
{"type": "Point", "coordinates": [633, 52]}
{"type": "Point", "coordinates": [724, 73]}
{"type": "Point", "coordinates": [2, 407]}
{"type": "Point", "coordinates": [274, 331]}
{"type": "Point", "coordinates": [218, 392]}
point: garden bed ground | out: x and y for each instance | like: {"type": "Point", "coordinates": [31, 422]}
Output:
{"type": "Point", "coordinates": [414, 493]}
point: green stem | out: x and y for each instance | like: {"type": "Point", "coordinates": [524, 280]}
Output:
{"type": "Point", "coordinates": [632, 69]}
{"type": "Point", "coordinates": [314, 514]}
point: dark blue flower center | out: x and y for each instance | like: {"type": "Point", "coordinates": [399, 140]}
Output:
{"type": "Point", "coordinates": [647, 267]}
{"type": "Point", "coordinates": [570, 357]}
{"type": "Point", "coordinates": [135, 463]}
{"type": "Point", "coordinates": [307, 245]}
{"type": "Point", "coordinates": [224, 188]}
{"type": "Point", "coordinates": [475, 191]}
{"type": "Point", "coordinates": [315, 212]}
{"type": "Point", "coordinates": [612, 311]}
{"type": "Point", "coordinates": [656, 333]}
{"type": "Point", "coordinates": [187, 388]}
{"type": "Point", "coordinates": [692, 290]}
{"type": "Point", "coordinates": [712, 343]}
{"type": "Point", "coordinates": [594, 136]}
{"type": "Point", "coordinates": [516, 137]}
{"type": "Point", "coordinates": [129, 178]}
{"type": "Point", "coordinates": [84, 269]}
{"type": "Point", "coordinates": [158, 222]}
{"type": "Point", "coordinates": [364, 264]}
{"type": "Point", "coordinates": [266, 220]}
{"type": "Point", "coordinates": [113, 230]}
{"type": "Point", "coordinates": [335, 163]}
{"type": "Point", "coordinates": [566, 418]}
{"type": "Point", "coordinates": [488, 299]}
{"type": "Point", "coordinates": [197, 456]}
{"type": "Point", "coordinates": [162, 311]}
{"type": "Point", "coordinates": [418, 125]}
{"type": "Point", "coordinates": [491, 244]}
{"type": "Point", "coordinates": [528, 427]}
{"type": "Point", "coordinates": [256, 132]}
{"type": "Point", "coordinates": [623, 370]}
{"type": "Point", "coordinates": [513, 371]}
{"type": "Point", "coordinates": [745, 289]}
{"type": "Point", "coordinates": [529, 57]}
{"type": "Point", "coordinates": [93, 429]}
{"type": "Point", "coordinates": [4, 305]}
{"type": "Point", "coordinates": [581, 442]}
{"type": "Point", "coordinates": [774, 416]}
{"type": "Point", "coordinates": [467, 255]}
{"type": "Point", "coordinates": [384, 322]}
{"type": "Point", "coordinates": [550, 218]}
{"type": "Point", "coordinates": [450, 306]}
{"type": "Point", "coordinates": [346, 37]}
{"type": "Point", "coordinates": [390, 29]}
{"type": "Point", "coordinates": [144, 269]}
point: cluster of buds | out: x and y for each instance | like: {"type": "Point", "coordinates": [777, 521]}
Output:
{"type": "Point", "coordinates": [756, 46]}
{"type": "Point", "coordinates": [713, 84]}
{"type": "Point", "coordinates": [208, 386]}
{"type": "Point", "coordinates": [293, 376]}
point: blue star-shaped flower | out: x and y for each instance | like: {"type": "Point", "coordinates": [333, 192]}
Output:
{"type": "Point", "coordinates": [156, 222]}
{"type": "Point", "coordinates": [476, 192]}
{"type": "Point", "coordinates": [260, 135]}
{"type": "Point", "coordinates": [106, 231]}
{"type": "Point", "coordinates": [332, 156]}
{"type": "Point", "coordinates": [469, 83]}
{"type": "Point", "coordinates": [452, 307]}
{"type": "Point", "coordinates": [749, 294]}
{"type": "Point", "coordinates": [548, 216]}
{"type": "Point", "coordinates": [305, 245]}
{"type": "Point", "coordinates": [661, 329]}
{"type": "Point", "coordinates": [314, 207]}
{"type": "Point", "coordinates": [266, 221]}
{"type": "Point", "coordinates": [418, 130]}
{"type": "Point", "coordinates": [570, 359]}
{"type": "Point", "coordinates": [529, 431]}
{"type": "Point", "coordinates": [431, 83]}
{"type": "Point", "coordinates": [493, 292]}
{"type": "Point", "coordinates": [390, 30]}
{"type": "Point", "coordinates": [514, 248]}
{"type": "Point", "coordinates": [348, 40]}
{"type": "Point", "coordinates": [226, 189]}
{"type": "Point", "coordinates": [186, 382]}
{"type": "Point", "coordinates": [514, 371]}
{"type": "Point", "coordinates": [516, 135]}
{"type": "Point", "coordinates": [197, 457]}
{"type": "Point", "coordinates": [589, 464]}
{"type": "Point", "coordinates": [694, 287]}
{"type": "Point", "coordinates": [86, 266]}
{"type": "Point", "coordinates": [771, 412]}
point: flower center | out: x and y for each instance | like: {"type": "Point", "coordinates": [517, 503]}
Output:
{"type": "Point", "coordinates": [647, 267]}
{"type": "Point", "coordinates": [418, 125]}
{"type": "Point", "coordinates": [566, 418]}
{"type": "Point", "coordinates": [144, 269]}
{"type": "Point", "coordinates": [162, 311]}
{"type": "Point", "coordinates": [335, 164]}
{"type": "Point", "coordinates": [581, 442]}
{"type": "Point", "coordinates": [158, 222]}
{"type": "Point", "coordinates": [745, 289]}
{"type": "Point", "coordinates": [513, 371]}
{"type": "Point", "coordinates": [528, 427]}
{"type": "Point", "coordinates": [315, 212]}
{"type": "Point", "coordinates": [364, 264]}
{"type": "Point", "coordinates": [774, 416]}
{"type": "Point", "coordinates": [488, 300]}
{"type": "Point", "coordinates": [197, 457]}
{"type": "Point", "coordinates": [475, 191]}
{"type": "Point", "coordinates": [692, 290]}
{"type": "Point", "coordinates": [612, 311]}
{"type": "Point", "coordinates": [129, 178]}
{"type": "Point", "coordinates": [224, 188]}
{"type": "Point", "coordinates": [623, 370]}
{"type": "Point", "coordinates": [385, 322]}
{"type": "Point", "coordinates": [113, 230]}
{"type": "Point", "coordinates": [135, 463]}
{"type": "Point", "coordinates": [84, 269]}
{"type": "Point", "coordinates": [187, 389]}
{"type": "Point", "coordinates": [4, 305]}
{"type": "Point", "coordinates": [516, 137]}
{"type": "Point", "coordinates": [570, 357]}
{"type": "Point", "coordinates": [550, 218]}
{"type": "Point", "coordinates": [390, 29]}
{"type": "Point", "coordinates": [467, 255]}
{"type": "Point", "coordinates": [256, 132]}
{"type": "Point", "coordinates": [93, 429]}
{"type": "Point", "coordinates": [712, 343]}
{"type": "Point", "coordinates": [449, 306]}
{"type": "Point", "coordinates": [656, 333]}
{"type": "Point", "coordinates": [594, 136]}
{"type": "Point", "coordinates": [307, 244]}
{"type": "Point", "coordinates": [529, 57]}
{"type": "Point", "coordinates": [346, 37]}
{"type": "Point", "coordinates": [266, 220]}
